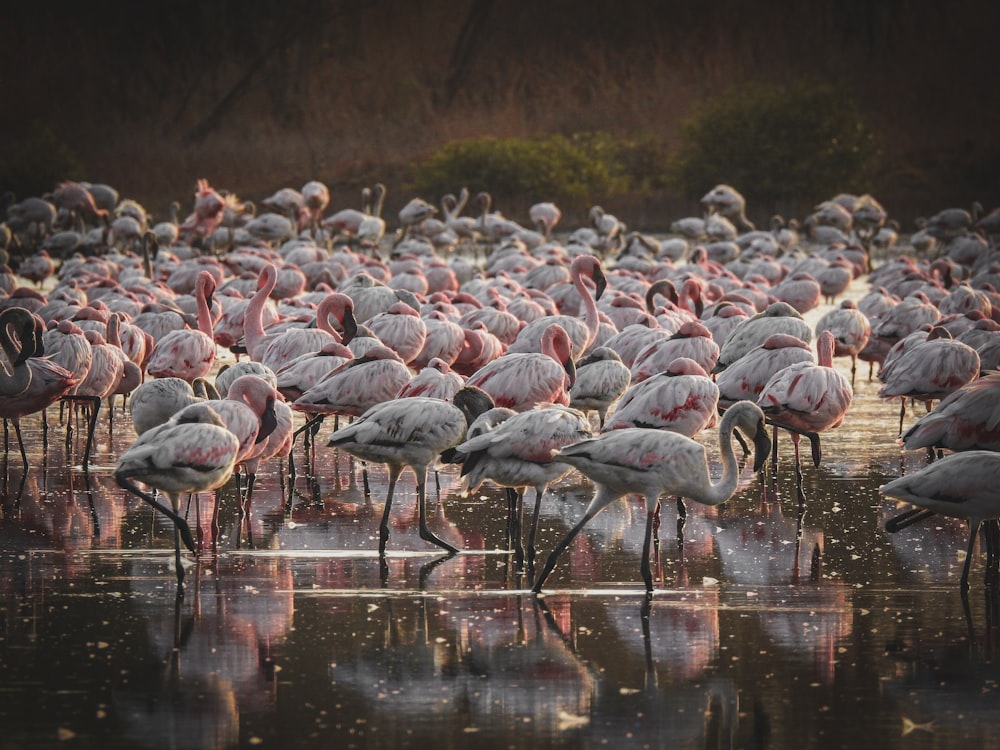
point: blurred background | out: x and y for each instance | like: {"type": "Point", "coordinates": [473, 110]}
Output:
{"type": "Point", "coordinates": [640, 105]}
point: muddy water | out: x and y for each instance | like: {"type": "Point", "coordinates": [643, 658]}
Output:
{"type": "Point", "coordinates": [786, 618]}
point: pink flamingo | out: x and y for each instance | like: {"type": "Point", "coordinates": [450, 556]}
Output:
{"type": "Point", "coordinates": [189, 454]}
{"type": "Point", "coordinates": [209, 207]}
{"type": "Point", "coordinates": [518, 453]}
{"type": "Point", "coordinates": [681, 399]}
{"type": "Point", "coordinates": [692, 341]}
{"type": "Point", "coordinates": [444, 340]}
{"type": "Point", "coordinates": [357, 385]}
{"type": "Point", "coordinates": [303, 372]}
{"type": "Point", "coordinates": [928, 370]}
{"type": "Point", "coordinates": [480, 347]}
{"type": "Point", "coordinates": [966, 419]}
{"type": "Point", "coordinates": [778, 317]}
{"type": "Point", "coordinates": [157, 400]}
{"type": "Point", "coordinates": [582, 332]}
{"type": "Point", "coordinates": [19, 340]}
{"type": "Point", "coordinates": [401, 329]}
{"type": "Point", "coordinates": [436, 380]}
{"type": "Point", "coordinates": [851, 331]}
{"type": "Point", "coordinates": [248, 412]}
{"type": "Point", "coordinates": [410, 432]}
{"type": "Point", "coordinates": [521, 380]}
{"type": "Point", "coordinates": [807, 398]}
{"type": "Point", "coordinates": [292, 343]}
{"type": "Point", "coordinates": [653, 463]}
{"type": "Point", "coordinates": [188, 353]}
{"type": "Point", "coordinates": [745, 378]}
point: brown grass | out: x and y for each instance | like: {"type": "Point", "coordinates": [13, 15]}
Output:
{"type": "Point", "coordinates": [355, 95]}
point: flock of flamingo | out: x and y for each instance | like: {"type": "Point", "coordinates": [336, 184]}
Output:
{"type": "Point", "coordinates": [516, 353]}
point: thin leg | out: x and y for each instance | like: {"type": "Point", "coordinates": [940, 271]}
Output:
{"type": "Point", "coordinates": [550, 563]}
{"type": "Point", "coordinates": [425, 533]}
{"type": "Point", "coordinates": [973, 533]}
{"type": "Point", "coordinates": [647, 576]}
{"type": "Point", "coordinates": [539, 491]}
{"type": "Point", "coordinates": [383, 529]}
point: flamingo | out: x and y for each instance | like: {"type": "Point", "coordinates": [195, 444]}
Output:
{"type": "Point", "coordinates": [601, 379]}
{"type": "Point", "coordinates": [19, 341]}
{"type": "Point", "coordinates": [410, 432]}
{"type": "Point", "coordinates": [851, 331]}
{"type": "Point", "coordinates": [521, 380]}
{"type": "Point", "coordinates": [303, 372]}
{"type": "Point", "coordinates": [193, 452]}
{"type": "Point", "coordinates": [654, 462]}
{"type": "Point", "coordinates": [681, 399]}
{"type": "Point", "coordinates": [518, 453]}
{"type": "Point", "coordinates": [283, 347]}
{"type": "Point", "coordinates": [436, 380]}
{"type": "Point", "coordinates": [960, 485]}
{"type": "Point", "coordinates": [357, 385]}
{"type": "Point", "coordinates": [582, 332]}
{"type": "Point", "coordinates": [247, 411]}
{"type": "Point", "coordinates": [745, 378]}
{"type": "Point", "coordinates": [778, 317]}
{"type": "Point", "coordinates": [401, 329]}
{"type": "Point", "coordinates": [157, 400]}
{"type": "Point", "coordinates": [928, 370]}
{"type": "Point", "coordinates": [966, 419]}
{"type": "Point", "coordinates": [188, 353]}
{"type": "Point", "coordinates": [692, 341]}
{"type": "Point", "coordinates": [807, 398]}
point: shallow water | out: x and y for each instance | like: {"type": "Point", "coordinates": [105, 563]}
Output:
{"type": "Point", "coordinates": [775, 623]}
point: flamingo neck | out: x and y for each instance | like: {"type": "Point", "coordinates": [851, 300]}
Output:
{"type": "Point", "coordinates": [204, 312]}
{"type": "Point", "coordinates": [590, 314]}
{"type": "Point", "coordinates": [723, 490]}
{"type": "Point", "coordinates": [253, 317]}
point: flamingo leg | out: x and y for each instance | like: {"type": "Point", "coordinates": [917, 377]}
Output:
{"type": "Point", "coordinates": [647, 576]}
{"type": "Point", "coordinates": [383, 529]}
{"type": "Point", "coordinates": [20, 443]}
{"type": "Point", "coordinates": [550, 563]}
{"type": "Point", "coordinates": [539, 491]}
{"type": "Point", "coordinates": [425, 533]}
{"type": "Point", "coordinates": [908, 518]}
{"type": "Point", "coordinates": [973, 532]}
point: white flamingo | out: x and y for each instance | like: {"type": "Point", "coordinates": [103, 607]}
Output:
{"type": "Point", "coordinates": [655, 462]}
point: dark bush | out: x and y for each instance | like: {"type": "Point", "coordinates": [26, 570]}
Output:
{"type": "Point", "coordinates": [777, 145]}
{"type": "Point", "coordinates": [580, 169]}
{"type": "Point", "coordinates": [34, 164]}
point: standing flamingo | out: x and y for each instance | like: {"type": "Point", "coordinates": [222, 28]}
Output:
{"type": "Point", "coordinates": [960, 485]}
{"type": "Point", "coordinates": [928, 370]}
{"type": "Point", "coordinates": [654, 462]}
{"type": "Point", "coordinates": [518, 453]}
{"type": "Point", "coordinates": [966, 419]}
{"type": "Point", "coordinates": [745, 378]}
{"type": "Point", "coordinates": [157, 400]}
{"type": "Point", "coordinates": [410, 432]}
{"type": "Point", "coordinates": [188, 353]}
{"type": "Point", "coordinates": [521, 380]}
{"type": "Point", "coordinates": [806, 398]}
{"type": "Point", "coordinates": [191, 454]}
{"type": "Point", "coordinates": [851, 331]}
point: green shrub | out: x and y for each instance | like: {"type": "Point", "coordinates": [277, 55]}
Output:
{"type": "Point", "coordinates": [37, 163]}
{"type": "Point", "coordinates": [580, 169]}
{"type": "Point", "coordinates": [777, 145]}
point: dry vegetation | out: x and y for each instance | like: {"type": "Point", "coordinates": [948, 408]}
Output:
{"type": "Point", "coordinates": [256, 95]}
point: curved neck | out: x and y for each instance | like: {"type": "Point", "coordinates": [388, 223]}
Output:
{"type": "Point", "coordinates": [723, 490]}
{"type": "Point", "coordinates": [253, 317]}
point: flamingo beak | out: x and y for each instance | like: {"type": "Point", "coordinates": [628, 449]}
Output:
{"type": "Point", "coordinates": [570, 368]}
{"type": "Point", "coordinates": [268, 422]}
